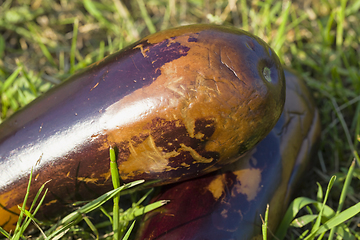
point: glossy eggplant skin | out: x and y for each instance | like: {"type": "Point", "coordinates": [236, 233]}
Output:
{"type": "Point", "coordinates": [227, 204]}
{"type": "Point", "coordinates": [176, 104]}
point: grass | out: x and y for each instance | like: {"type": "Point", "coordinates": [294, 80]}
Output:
{"type": "Point", "coordinates": [331, 220]}
{"type": "Point", "coordinates": [44, 42]}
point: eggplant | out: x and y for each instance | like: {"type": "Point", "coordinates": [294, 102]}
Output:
{"type": "Point", "coordinates": [177, 104]}
{"type": "Point", "coordinates": [227, 204]}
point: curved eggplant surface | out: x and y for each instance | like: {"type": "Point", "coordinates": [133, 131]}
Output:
{"type": "Point", "coordinates": [227, 204]}
{"type": "Point", "coordinates": [177, 104]}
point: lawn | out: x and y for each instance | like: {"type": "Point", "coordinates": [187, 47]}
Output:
{"type": "Point", "coordinates": [42, 42]}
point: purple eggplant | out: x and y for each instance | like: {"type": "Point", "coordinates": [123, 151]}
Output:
{"type": "Point", "coordinates": [177, 104]}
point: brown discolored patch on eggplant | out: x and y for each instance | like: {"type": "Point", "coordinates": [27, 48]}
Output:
{"type": "Point", "coordinates": [170, 135]}
{"type": "Point", "coordinates": [250, 180]}
{"type": "Point", "coordinates": [216, 187]}
{"type": "Point", "coordinates": [167, 147]}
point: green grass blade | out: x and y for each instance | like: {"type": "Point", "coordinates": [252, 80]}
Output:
{"type": "Point", "coordinates": [137, 211]}
{"type": "Point", "coordinates": [320, 193]}
{"type": "Point", "coordinates": [42, 46]}
{"type": "Point", "coordinates": [280, 35]}
{"type": "Point", "coordinates": [146, 17]}
{"type": "Point", "coordinates": [114, 169]}
{"type": "Point", "coordinates": [28, 78]}
{"type": "Point", "coordinates": [92, 227]}
{"type": "Point", "coordinates": [339, 219]}
{"type": "Point", "coordinates": [76, 216]}
{"type": "Point", "coordinates": [10, 80]}
{"type": "Point", "coordinates": [328, 38]}
{"type": "Point", "coordinates": [93, 10]}
{"type": "Point", "coordinates": [3, 232]}
{"type": "Point", "coordinates": [116, 183]}
{"type": "Point", "coordinates": [345, 188]}
{"type": "Point", "coordinates": [150, 207]}
{"type": "Point", "coordinates": [102, 209]}
{"type": "Point", "coordinates": [302, 236]}
{"type": "Point", "coordinates": [102, 199]}
{"type": "Point", "coordinates": [2, 46]}
{"type": "Point", "coordinates": [101, 51]}
{"type": "Point", "coordinates": [293, 209]}
{"type": "Point", "coordinates": [340, 25]}
{"type": "Point", "coordinates": [18, 228]}
{"type": "Point", "coordinates": [30, 216]}
{"type": "Point", "coordinates": [244, 15]}
{"type": "Point", "coordinates": [318, 220]}
{"type": "Point", "coordinates": [73, 46]}
{"type": "Point", "coordinates": [320, 215]}
{"type": "Point", "coordinates": [265, 223]}
{"type": "Point", "coordinates": [62, 230]}
{"type": "Point", "coordinates": [127, 235]}
{"type": "Point", "coordinates": [143, 198]}
{"type": "Point", "coordinates": [303, 220]}
{"type": "Point", "coordinates": [346, 129]}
